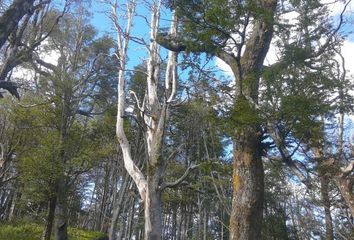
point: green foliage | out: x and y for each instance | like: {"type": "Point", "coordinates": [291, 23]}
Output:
{"type": "Point", "coordinates": [32, 231]}
{"type": "Point", "coordinates": [137, 81]}
{"type": "Point", "coordinates": [208, 24]}
{"type": "Point", "coordinates": [20, 231]}
{"type": "Point", "coordinates": [274, 227]}
{"type": "Point", "coordinates": [243, 114]}
{"type": "Point", "coordinates": [302, 113]}
{"type": "Point", "coordinates": [274, 224]}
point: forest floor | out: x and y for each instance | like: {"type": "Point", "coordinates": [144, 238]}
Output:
{"type": "Point", "coordinates": [33, 231]}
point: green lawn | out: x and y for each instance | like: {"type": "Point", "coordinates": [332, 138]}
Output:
{"type": "Point", "coordinates": [33, 231]}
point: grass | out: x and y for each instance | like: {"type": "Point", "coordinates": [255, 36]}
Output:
{"type": "Point", "coordinates": [33, 231]}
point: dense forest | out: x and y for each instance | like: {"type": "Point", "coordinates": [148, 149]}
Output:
{"type": "Point", "coordinates": [176, 120]}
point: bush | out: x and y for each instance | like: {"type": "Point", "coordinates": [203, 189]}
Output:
{"type": "Point", "coordinates": [33, 231]}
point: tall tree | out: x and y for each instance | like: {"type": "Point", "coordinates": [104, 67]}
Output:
{"type": "Point", "coordinates": [214, 28]}
{"type": "Point", "coordinates": [71, 86]}
{"type": "Point", "coordinates": [154, 110]}
{"type": "Point", "coordinates": [24, 26]}
{"type": "Point", "coordinates": [240, 33]}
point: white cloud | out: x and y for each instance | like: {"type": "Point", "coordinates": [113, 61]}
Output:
{"type": "Point", "coordinates": [224, 67]}
{"type": "Point", "coordinates": [27, 75]}
{"type": "Point", "coordinates": [336, 7]}
{"type": "Point", "coordinates": [50, 57]}
{"type": "Point", "coordinates": [24, 74]}
{"type": "Point", "coordinates": [347, 52]}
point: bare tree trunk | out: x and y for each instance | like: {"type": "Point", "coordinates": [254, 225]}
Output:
{"type": "Point", "coordinates": [150, 187]}
{"type": "Point", "coordinates": [205, 224]}
{"type": "Point", "coordinates": [153, 204]}
{"type": "Point", "coordinates": [130, 219]}
{"type": "Point", "coordinates": [344, 181]}
{"type": "Point", "coordinates": [50, 218]}
{"type": "Point", "coordinates": [12, 208]}
{"type": "Point", "coordinates": [61, 213]}
{"type": "Point", "coordinates": [327, 207]}
{"type": "Point", "coordinates": [173, 233]}
{"type": "Point", "coordinates": [118, 206]}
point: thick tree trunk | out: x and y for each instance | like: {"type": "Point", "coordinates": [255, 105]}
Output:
{"type": "Point", "coordinates": [248, 186]}
{"type": "Point", "coordinates": [50, 218]}
{"type": "Point", "coordinates": [248, 174]}
{"type": "Point", "coordinates": [11, 17]}
{"type": "Point", "coordinates": [153, 205]}
{"type": "Point", "coordinates": [61, 213]}
{"type": "Point", "coordinates": [327, 208]}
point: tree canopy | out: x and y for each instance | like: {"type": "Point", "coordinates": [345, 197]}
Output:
{"type": "Point", "coordinates": [136, 133]}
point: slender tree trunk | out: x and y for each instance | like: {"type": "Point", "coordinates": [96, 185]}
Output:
{"type": "Point", "coordinates": [344, 182]}
{"type": "Point", "coordinates": [327, 208]}
{"type": "Point", "coordinates": [150, 187]}
{"type": "Point", "coordinates": [50, 218]}
{"type": "Point", "coordinates": [118, 206]}
{"type": "Point", "coordinates": [205, 224]}
{"type": "Point", "coordinates": [190, 222]}
{"type": "Point", "coordinates": [248, 185]}
{"type": "Point", "coordinates": [131, 219]}
{"type": "Point", "coordinates": [345, 185]}
{"type": "Point", "coordinates": [200, 214]}
{"type": "Point", "coordinates": [12, 208]}
{"type": "Point", "coordinates": [173, 233]}
{"type": "Point", "coordinates": [8, 204]}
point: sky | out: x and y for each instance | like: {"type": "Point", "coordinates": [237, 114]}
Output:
{"type": "Point", "coordinates": [348, 46]}
{"type": "Point", "coordinates": [138, 53]}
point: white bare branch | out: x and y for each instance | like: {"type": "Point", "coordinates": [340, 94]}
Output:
{"type": "Point", "coordinates": [171, 70]}
{"type": "Point", "coordinates": [129, 164]}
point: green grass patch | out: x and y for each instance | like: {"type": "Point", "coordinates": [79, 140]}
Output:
{"type": "Point", "coordinates": [33, 231]}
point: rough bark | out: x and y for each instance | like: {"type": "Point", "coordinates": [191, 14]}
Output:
{"type": "Point", "coordinates": [11, 17]}
{"type": "Point", "coordinates": [327, 207]}
{"type": "Point", "coordinates": [345, 185]}
{"type": "Point", "coordinates": [248, 182]}
{"type": "Point", "coordinates": [248, 174]}
{"type": "Point", "coordinates": [61, 213]}
{"type": "Point", "coordinates": [248, 186]}
{"type": "Point", "coordinates": [153, 210]}
{"type": "Point", "coordinates": [50, 219]}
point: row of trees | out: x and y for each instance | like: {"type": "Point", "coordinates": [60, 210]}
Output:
{"type": "Point", "coordinates": [145, 153]}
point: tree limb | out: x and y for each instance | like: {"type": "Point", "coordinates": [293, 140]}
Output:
{"type": "Point", "coordinates": [11, 87]}
{"type": "Point", "coordinates": [181, 179]}
{"type": "Point", "coordinates": [10, 19]}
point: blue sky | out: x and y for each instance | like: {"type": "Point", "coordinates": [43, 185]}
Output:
{"type": "Point", "coordinates": [137, 53]}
